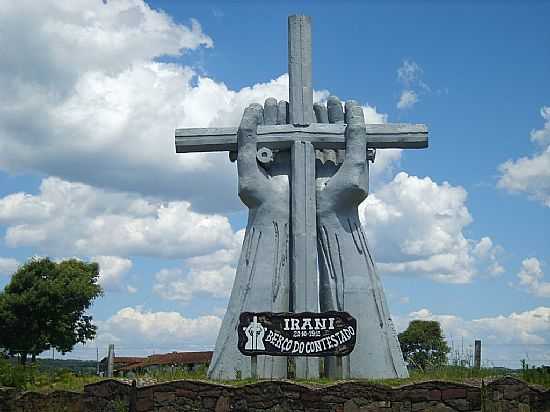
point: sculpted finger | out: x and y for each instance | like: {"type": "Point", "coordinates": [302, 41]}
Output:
{"type": "Point", "coordinates": [247, 166]}
{"type": "Point", "coordinates": [354, 113]}
{"type": "Point", "coordinates": [260, 110]}
{"type": "Point", "coordinates": [334, 108]}
{"type": "Point", "coordinates": [321, 113]}
{"type": "Point", "coordinates": [356, 144]}
{"type": "Point", "coordinates": [270, 111]}
{"type": "Point", "coordinates": [247, 129]}
{"type": "Point", "coordinates": [282, 112]}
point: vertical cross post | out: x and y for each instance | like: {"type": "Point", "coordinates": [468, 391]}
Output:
{"type": "Point", "coordinates": [299, 70]}
{"type": "Point", "coordinates": [305, 293]}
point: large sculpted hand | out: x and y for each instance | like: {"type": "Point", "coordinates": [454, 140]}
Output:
{"type": "Point", "coordinates": [262, 186]}
{"type": "Point", "coordinates": [262, 278]}
{"type": "Point", "coordinates": [347, 275]}
{"type": "Point", "coordinates": [342, 188]}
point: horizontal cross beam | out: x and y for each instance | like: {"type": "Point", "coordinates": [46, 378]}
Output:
{"type": "Point", "coordinates": [321, 135]}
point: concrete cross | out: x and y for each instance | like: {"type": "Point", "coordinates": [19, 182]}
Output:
{"type": "Point", "coordinates": [302, 136]}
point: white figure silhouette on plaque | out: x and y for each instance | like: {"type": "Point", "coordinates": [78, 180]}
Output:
{"type": "Point", "coordinates": [255, 335]}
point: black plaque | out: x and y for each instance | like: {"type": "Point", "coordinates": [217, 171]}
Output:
{"type": "Point", "coordinates": [296, 334]}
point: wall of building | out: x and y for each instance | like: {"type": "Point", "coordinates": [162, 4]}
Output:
{"type": "Point", "coordinates": [505, 394]}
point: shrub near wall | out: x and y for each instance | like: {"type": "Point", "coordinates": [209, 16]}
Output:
{"type": "Point", "coordinates": [505, 394]}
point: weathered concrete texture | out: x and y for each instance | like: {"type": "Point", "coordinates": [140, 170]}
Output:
{"type": "Point", "coordinates": [262, 281]}
{"type": "Point", "coordinates": [505, 394]}
{"type": "Point", "coordinates": [299, 70]}
{"type": "Point", "coordinates": [321, 135]}
{"type": "Point", "coordinates": [348, 279]}
{"type": "Point", "coordinates": [303, 258]}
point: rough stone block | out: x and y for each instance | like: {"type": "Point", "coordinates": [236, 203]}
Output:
{"type": "Point", "coordinates": [351, 406]}
{"type": "Point", "coordinates": [432, 407]}
{"type": "Point", "coordinates": [144, 404]}
{"type": "Point", "coordinates": [222, 404]}
{"type": "Point", "coordinates": [311, 396]}
{"type": "Point", "coordinates": [185, 393]}
{"type": "Point", "coordinates": [453, 393]}
{"type": "Point", "coordinates": [401, 406]}
{"type": "Point", "coordinates": [515, 392]}
{"type": "Point", "coordinates": [459, 404]}
{"type": "Point", "coordinates": [420, 406]}
{"type": "Point", "coordinates": [209, 403]}
{"type": "Point", "coordinates": [382, 404]}
{"type": "Point", "coordinates": [411, 394]}
{"type": "Point", "coordinates": [164, 397]}
{"type": "Point", "coordinates": [144, 393]}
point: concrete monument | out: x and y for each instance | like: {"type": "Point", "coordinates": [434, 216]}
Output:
{"type": "Point", "coordinates": [303, 171]}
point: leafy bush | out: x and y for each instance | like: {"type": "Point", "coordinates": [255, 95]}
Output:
{"type": "Point", "coordinates": [44, 306]}
{"type": "Point", "coordinates": [29, 377]}
{"type": "Point", "coordinates": [423, 345]}
{"type": "Point", "coordinates": [16, 376]}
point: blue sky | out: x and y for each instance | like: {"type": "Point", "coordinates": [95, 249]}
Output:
{"type": "Point", "coordinates": [91, 94]}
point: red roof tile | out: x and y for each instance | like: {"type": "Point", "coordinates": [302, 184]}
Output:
{"type": "Point", "coordinates": [126, 360]}
{"type": "Point", "coordinates": [174, 358]}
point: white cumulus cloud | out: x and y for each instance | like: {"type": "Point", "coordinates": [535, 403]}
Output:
{"type": "Point", "coordinates": [90, 102]}
{"type": "Point", "coordinates": [409, 74]}
{"type": "Point", "coordinates": [211, 274]}
{"type": "Point", "coordinates": [135, 330]}
{"type": "Point", "coordinates": [531, 174]}
{"type": "Point", "coordinates": [529, 327]}
{"type": "Point", "coordinates": [74, 218]}
{"type": "Point", "coordinates": [408, 99]}
{"type": "Point", "coordinates": [531, 277]}
{"type": "Point", "coordinates": [8, 266]}
{"type": "Point", "coordinates": [416, 227]}
{"type": "Point", "coordinates": [542, 136]}
{"type": "Point", "coordinates": [112, 270]}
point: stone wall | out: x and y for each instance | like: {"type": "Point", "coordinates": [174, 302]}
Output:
{"type": "Point", "coordinates": [504, 394]}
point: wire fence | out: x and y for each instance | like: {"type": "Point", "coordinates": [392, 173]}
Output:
{"type": "Point", "coordinates": [500, 355]}
{"type": "Point", "coordinates": [493, 355]}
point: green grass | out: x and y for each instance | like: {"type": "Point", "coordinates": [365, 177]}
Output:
{"type": "Point", "coordinates": [445, 373]}
{"type": "Point", "coordinates": [33, 379]}
{"type": "Point", "coordinates": [165, 375]}
{"type": "Point", "coordinates": [538, 376]}
{"type": "Point", "coordinates": [62, 380]}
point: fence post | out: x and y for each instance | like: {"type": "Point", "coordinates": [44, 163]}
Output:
{"type": "Point", "coordinates": [110, 360]}
{"type": "Point", "coordinates": [477, 354]}
{"type": "Point", "coordinates": [254, 367]}
{"type": "Point", "coordinates": [132, 407]}
{"type": "Point", "coordinates": [97, 360]}
{"type": "Point", "coordinates": [339, 368]}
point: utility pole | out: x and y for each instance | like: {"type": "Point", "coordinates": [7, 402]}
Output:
{"type": "Point", "coordinates": [477, 354]}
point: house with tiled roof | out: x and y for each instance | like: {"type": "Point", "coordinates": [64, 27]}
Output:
{"type": "Point", "coordinates": [185, 360]}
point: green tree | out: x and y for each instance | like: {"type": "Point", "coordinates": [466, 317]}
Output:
{"type": "Point", "coordinates": [44, 306]}
{"type": "Point", "coordinates": [423, 344]}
